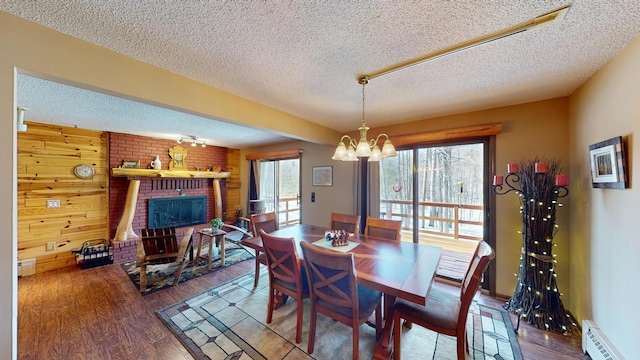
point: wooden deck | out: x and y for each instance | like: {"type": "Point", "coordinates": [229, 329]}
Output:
{"type": "Point", "coordinates": [456, 254]}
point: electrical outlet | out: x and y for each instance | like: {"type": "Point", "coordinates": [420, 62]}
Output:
{"type": "Point", "coordinates": [51, 245]}
{"type": "Point", "coordinates": [53, 204]}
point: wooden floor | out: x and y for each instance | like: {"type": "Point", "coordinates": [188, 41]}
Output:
{"type": "Point", "coordinates": [99, 314]}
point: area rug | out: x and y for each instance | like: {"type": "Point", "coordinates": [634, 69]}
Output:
{"type": "Point", "coordinates": [162, 276]}
{"type": "Point", "coordinates": [228, 322]}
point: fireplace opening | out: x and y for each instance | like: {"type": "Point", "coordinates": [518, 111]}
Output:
{"type": "Point", "coordinates": [177, 211]}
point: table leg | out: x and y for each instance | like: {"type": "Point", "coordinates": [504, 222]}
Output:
{"type": "Point", "coordinates": [384, 348]}
{"type": "Point", "coordinates": [210, 259]}
{"type": "Point", "coordinates": [197, 258]}
{"type": "Point", "coordinates": [222, 241]}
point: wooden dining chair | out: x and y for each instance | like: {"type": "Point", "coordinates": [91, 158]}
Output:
{"type": "Point", "coordinates": [346, 222]}
{"type": "Point", "coordinates": [286, 275]}
{"type": "Point", "coordinates": [445, 312]}
{"type": "Point", "coordinates": [160, 246]}
{"type": "Point", "coordinates": [334, 292]}
{"type": "Point", "coordinates": [383, 228]}
{"type": "Point", "coordinates": [269, 223]}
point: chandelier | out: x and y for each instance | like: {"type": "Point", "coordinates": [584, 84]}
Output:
{"type": "Point", "coordinates": [352, 151]}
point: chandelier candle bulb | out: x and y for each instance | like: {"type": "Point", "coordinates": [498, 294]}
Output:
{"type": "Point", "coordinates": [498, 180]}
{"type": "Point", "coordinates": [541, 167]}
{"type": "Point", "coordinates": [512, 168]}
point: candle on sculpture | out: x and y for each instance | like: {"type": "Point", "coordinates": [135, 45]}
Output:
{"type": "Point", "coordinates": [541, 167]}
{"type": "Point", "coordinates": [512, 168]}
{"type": "Point", "coordinates": [562, 180]}
{"type": "Point", "coordinates": [498, 180]}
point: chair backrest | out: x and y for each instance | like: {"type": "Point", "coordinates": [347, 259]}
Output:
{"type": "Point", "coordinates": [383, 228]}
{"type": "Point", "coordinates": [332, 281]}
{"type": "Point", "coordinates": [265, 221]}
{"type": "Point", "coordinates": [473, 278]}
{"type": "Point", "coordinates": [282, 259]}
{"type": "Point", "coordinates": [160, 245]}
{"type": "Point", "coordinates": [348, 223]}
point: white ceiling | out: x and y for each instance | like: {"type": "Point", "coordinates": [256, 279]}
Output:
{"type": "Point", "coordinates": [303, 57]}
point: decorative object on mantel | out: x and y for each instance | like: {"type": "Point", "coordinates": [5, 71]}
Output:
{"type": "Point", "coordinates": [364, 147]}
{"type": "Point", "coordinates": [608, 164]}
{"type": "Point", "coordinates": [536, 298]}
{"type": "Point", "coordinates": [178, 156]}
{"type": "Point", "coordinates": [156, 164]}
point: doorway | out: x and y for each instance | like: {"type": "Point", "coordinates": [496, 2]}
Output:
{"type": "Point", "coordinates": [280, 189]}
{"type": "Point", "coordinates": [439, 193]}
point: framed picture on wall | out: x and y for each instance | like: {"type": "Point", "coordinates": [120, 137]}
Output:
{"type": "Point", "coordinates": [322, 176]}
{"type": "Point", "coordinates": [608, 164]}
{"type": "Point", "coordinates": [131, 164]}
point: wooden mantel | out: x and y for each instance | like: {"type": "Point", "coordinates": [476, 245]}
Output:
{"type": "Point", "coordinates": [130, 172]}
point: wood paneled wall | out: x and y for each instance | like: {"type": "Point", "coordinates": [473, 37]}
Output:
{"type": "Point", "coordinates": [47, 155]}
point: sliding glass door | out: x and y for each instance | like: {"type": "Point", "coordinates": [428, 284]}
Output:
{"type": "Point", "coordinates": [437, 191]}
{"type": "Point", "coordinates": [280, 189]}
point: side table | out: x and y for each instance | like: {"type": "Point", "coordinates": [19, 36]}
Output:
{"type": "Point", "coordinates": [214, 237]}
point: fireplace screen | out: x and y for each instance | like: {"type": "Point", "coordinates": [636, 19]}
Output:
{"type": "Point", "coordinates": [178, 211]}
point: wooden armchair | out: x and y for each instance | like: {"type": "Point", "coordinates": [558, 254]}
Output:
{"type": "Point", "coordinates": [383, 228]}
{"type": "Point", "coordinates": [160, 246]}
{"type": "Point", "coordinates": [346, 222]}
{"type": "Point", "coordinates": [286, 275]}
{"type": "Point", "coordinates": [335, 293]}
{"type": "Point", "coordinates": [269, 223]}
{"type": "Point", "coordinates": [445, 312]}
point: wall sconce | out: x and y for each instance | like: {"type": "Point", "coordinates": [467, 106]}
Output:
{"type": "Point", "coordinates": [193, 139]}
{"type": "Point", "coordinates": [21, 126]}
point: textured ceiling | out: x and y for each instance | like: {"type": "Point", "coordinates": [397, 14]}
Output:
{"type": "Point", "coordinates": [303, 57]}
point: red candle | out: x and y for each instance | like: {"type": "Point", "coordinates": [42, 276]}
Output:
{"type": "Point", "coordinates": [512, 168]}
{"type": "Point", "coordinates": [498, 180]}
{"type": "Point", "coordinates": [562, 180]}
{"type": "Point", "coordinates": [541, 167]}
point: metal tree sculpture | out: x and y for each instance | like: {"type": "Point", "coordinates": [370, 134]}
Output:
{"type": "Point", "coordinates": [536, 298]}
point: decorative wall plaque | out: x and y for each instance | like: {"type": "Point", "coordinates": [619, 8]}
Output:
{"type": "Point", "coordinates": [178, 155]}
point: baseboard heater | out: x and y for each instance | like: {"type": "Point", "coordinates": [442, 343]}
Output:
{"type": "Point", "coordinates": [26, 267]}
{"type": "Point", "coordinates": [596, 344]}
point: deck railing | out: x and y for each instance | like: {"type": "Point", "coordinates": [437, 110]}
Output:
{"type": "Point", "coordinates": [458, 221]}
{"type": "Point", "coordinates": [287, 207]}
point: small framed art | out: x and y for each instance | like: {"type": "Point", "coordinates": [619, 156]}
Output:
{"type": "Point", "coordinates": [131, 164]}
{"type": "Point", "coordinates": [322, 176]}
{"type": "Point", "coordinates": [608, 164]}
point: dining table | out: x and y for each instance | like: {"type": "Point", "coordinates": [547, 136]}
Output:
{"type": "Point", "coordinates": [398, 269]}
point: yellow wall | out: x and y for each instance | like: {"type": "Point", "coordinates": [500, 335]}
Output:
{"type": "Point", "coordinates": [605, 242]}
